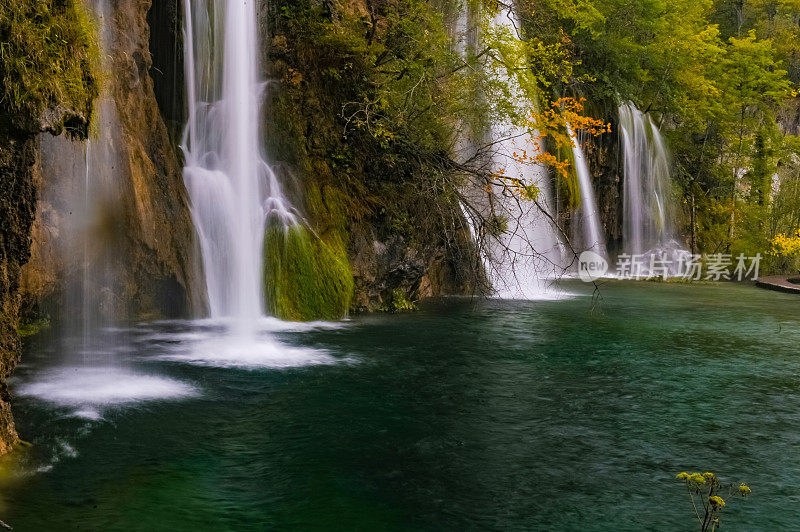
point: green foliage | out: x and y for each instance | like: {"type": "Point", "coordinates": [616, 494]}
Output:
{"type": "Point", "coordinates": [399, 302]}
{"type": "Point", "coordinates": [717, 75]}
{"type": "Point", "coordinates": [49, 57]}
{"type": "Point", "coordinates": [27, 328]}
{"type": "Point", "coordinates": [389, 86]}
{"type": "Point", "coordinates": [374, 102]}
{"type": "Point", "coordinates": [305, 278]}
{"type": "Point", "coordinates": [634, 50]}
{"type": "Point", "coordinates": [496, 225]}
{"type": "Point", "coordinates": [401, 224]}
{"type": "Point", "coordinates": [568, 186]}
{"type": "Point", "coordinates": [366, 113]}
{"type": "Point", "coordinates": [731, 150]}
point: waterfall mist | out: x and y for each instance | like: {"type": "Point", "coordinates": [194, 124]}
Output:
{"type": "Point", "coordinates": [82, 200]}
{"type": "Point", "coordinates": [84, 195]}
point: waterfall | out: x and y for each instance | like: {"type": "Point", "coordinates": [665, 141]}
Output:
{"type": "Point", "coordinates": [590, 234]}
{"type": "Point", "coordinates": [527, 255]}
{"type": "Point", "coordinates": [82, 185]}
{"type": "Point", "coordinates": [81, 197]}
{"type": "Point", "coordinates": [647, 222]}
{"type": "Point", "coordinates": [522, 253]}
{"type": "Point", "coordinates": [233, 193]}
{"type": "Point", "coordinates": [80, 202]}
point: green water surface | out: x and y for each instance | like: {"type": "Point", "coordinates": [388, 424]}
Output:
{"type": "Point", "coordinates": [477, 415]}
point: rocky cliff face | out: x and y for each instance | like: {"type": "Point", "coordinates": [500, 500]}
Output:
{"type": "Point", "coordinates": [44, 88]}
{"type": "Point", "coordinates": [384, 191]}
{"type": "Point", "coordinates": [389, 269]}
{"type": "Point", "coordinates": [17, 201]}
{"type": "Point", "coordinates": [605, 163]}
{"type": "Point", "coordinates": [135, 223]}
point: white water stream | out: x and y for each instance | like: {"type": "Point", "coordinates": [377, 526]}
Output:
{"type": "Point", "coordinates": [522, 261]}
{"type": "Point", "coordinates": [647, 217]}
{"type": "Point", "coordinates": [233, 192]}
{"type": "Point", "coordinates": [588, 229]}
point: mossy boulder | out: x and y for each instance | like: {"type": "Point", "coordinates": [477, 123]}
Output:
{"type": "Point", "coordinates": [305, 278]}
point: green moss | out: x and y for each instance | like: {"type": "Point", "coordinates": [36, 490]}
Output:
{"type": "Point", "coordinates": [364, 117]}
{"type": "Point", "coordinates": [399, 302]}
{"type": "Point", "coordinates": [401, 224]}
{"type": "Point", "coordinates": [569, 186]}
{"type": "Point", "coordinates": [49, 57]}
{"type": "Point", "coordinates": [305, 278]}
{"type": "Point", "coordinates": [27, 328]}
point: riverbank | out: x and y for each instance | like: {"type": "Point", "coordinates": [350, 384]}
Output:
{"type": "Point", "coordinates": [779, 283]}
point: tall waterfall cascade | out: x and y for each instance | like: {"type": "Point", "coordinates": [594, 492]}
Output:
{"type": "Point", "coordinates": [648, 215]}
{"type": "Point", "coordinates": [524, 255]}
{"type": "Point", "coordinates": [233, 192]}
{"type": "Point", "coordinates": [588, 230]}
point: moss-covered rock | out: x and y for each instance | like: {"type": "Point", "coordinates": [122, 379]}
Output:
{"type": "Point", "coordinates": [31, 327]}
{"type": "Point", "coordinates": [49, 60]}
{"type": "Point", "coordinates": [364, 118]}
{"type": "Point", "coordinates": [305, 278]}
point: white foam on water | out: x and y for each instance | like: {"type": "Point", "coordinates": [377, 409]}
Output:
{"type": "Point", "coordinates": [61, 449]}
{"type": "Point", "coordinates": [263, 324]}
{"type": "Point", "coordinates": [546, 293]}
{"type": "Point", "coordinates": [224, 351]}
{"type": "Point", "coordinates": [89, 391]}
{"type": "Point", "coordinates": [211, 342]}
{"type": "Point", "coordinates": [268, 323]}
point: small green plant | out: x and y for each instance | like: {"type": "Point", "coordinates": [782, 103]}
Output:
{"type": "Point", "coordinates": [706, 487]}
{"type": "Point", "coordinates": [27, 328]}
{"type": "Point", "coordinates": [399, 302]}
{"type": "Point", "coordinates": [496, 226]}
{"type": "Point", "coordinates": [400, 224]}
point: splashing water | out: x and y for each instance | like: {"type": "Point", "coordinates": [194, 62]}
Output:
{"type": "Point", "coordinates": [233, 193]}
{"type": "Point", "coordinates": [89, 391]}
{"type": "Point", "coordinates": [85, 182]}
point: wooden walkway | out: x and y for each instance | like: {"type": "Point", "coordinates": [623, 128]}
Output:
{"type": "Point", "coordinates": [779, 283]}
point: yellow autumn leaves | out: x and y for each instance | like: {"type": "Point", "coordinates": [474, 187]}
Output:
{"type": "Point", "coordinates": [787, 246]}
